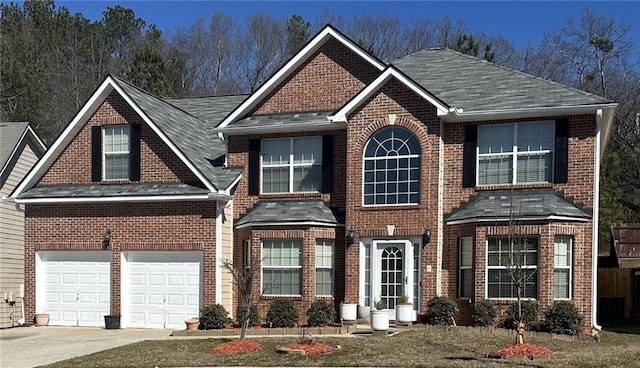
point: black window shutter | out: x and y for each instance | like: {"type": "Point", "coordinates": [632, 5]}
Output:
{"type": "Point", "coordinates": [134, 153]}
{"type": "Point", "coordinates": [561, 154]}
{"type": "Point", "coordinates": [96, 153]}
{"type": "Point", "coordinates": [327, 164]}
{"type": "Point", "coordinates": [469, 156]}
{"type": "Point", "coordinates": [254, 167]}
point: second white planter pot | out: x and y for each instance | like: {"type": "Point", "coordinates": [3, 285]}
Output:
{"type": "Point", "coordinates": [379, 320]}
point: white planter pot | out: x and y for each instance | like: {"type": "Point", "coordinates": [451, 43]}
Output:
{"type": "Point", "coordinates": [380, 320]}
{"type": "Point", "coordinates": [404, 313]}
{"type": "Point", "coordinates": [348, 311]}
{"type": "Point", "coordinates": [363, 311]}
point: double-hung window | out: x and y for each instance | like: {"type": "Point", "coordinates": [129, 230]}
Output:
{"type": "Point", "coordinates": [291, 165]}
{"type": "Point", "coordinates": [282, 267]}
{"type": "Point", "coordinates": [515, 153]}
{"type": "Point", "coordinates": [562, 261]}
{"type": "Point", "coordinates": [392, 168]}
{"type": "Point", "coordinates": [510, 263]}
{"type": "Point", "coordinates": [324, 267]}
{"type": "Point", "coordinates": [116, 150]}
{"type": "Point", "coordinates": [465, 277]}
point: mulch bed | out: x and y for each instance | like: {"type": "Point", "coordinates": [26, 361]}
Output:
{"type": "Point", "coordinates": [236, 347]}
{"type": "Point", "coordinates": [524, 350]}
{"type": "Point", "coordinates": [316, 348]}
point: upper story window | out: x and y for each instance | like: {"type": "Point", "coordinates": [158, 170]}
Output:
{"type": "Point", "coordinates": [291, 165]}
{"type": "Point", "coordinates": [116, 150]}
{"type": "Point", "coordinates": [392, 168]}
{"type": "Point", "coordinates": [515, 153]}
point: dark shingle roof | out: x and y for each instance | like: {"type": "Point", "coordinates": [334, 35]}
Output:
{"type": "Point", "coordinates": [187, 132]}
{"type": "Point", "coordinates": [626, 243]}
{"type": "Point", "coordinates": [212, 110]}
{"type": "Point", "coordinates": [468, 83]}
{"type": "Point", "coordinates": [282, 120]}
{"type": "Point", "coordinates": [270, 212]}
{"type": "Point", "coordinates": [111, 190]}
{"type": "Point", "coordinates": [527, 204]}
{"type": "Point", "coordinates": [10, 134]}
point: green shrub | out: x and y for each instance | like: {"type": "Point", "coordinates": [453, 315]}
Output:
{"type": "Point", "coordinates": [213, 317]}
{"type": "Point", "coordinates": [440, 310]}
{"type": "Point", "coordinates": [282, 313]}
{"type": "Point", "coordinates": [484, 313]}
{"type": "Point", "coordinates": [254, 316]}
{"type": "Point", "coordinates": [529, 316]}
{"type": "Point", "coordinates": [321, 313]}
{"type": "Point", "coordinates": [563, 317]}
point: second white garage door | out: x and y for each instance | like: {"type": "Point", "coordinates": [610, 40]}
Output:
{"type": "Point", "coordinates": [161, 289]}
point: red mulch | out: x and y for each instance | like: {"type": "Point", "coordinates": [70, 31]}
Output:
{"type": "Point", "coordinates": [236, 347]}
{"type": "Point", "coordinates": [526, 350]}
{"type": "Point", "coordinates": [312, 349]}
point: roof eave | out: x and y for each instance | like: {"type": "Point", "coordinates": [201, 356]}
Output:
{"type": "Point", "coordinates": [159, 198]}
{"type": "Point", "coordinates": [523, 219]}
{"type": "Point", "coordinates": [302, 127]}
{"type": "Point", "coordinates": [459, 115]}
{"type": "Point", "coordinates": [290, 223]}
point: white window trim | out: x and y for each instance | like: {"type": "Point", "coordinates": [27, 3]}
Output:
{"type": "Point", "coordinates": [487, 268]}
{"type": "Point", "coordinates": [332, 267]}
{"type": "Point", "coordinates": [246, 244]}
{"type": "Point", "coordinates": [262, 268]}
{"type": "Point", "coordinates": [515, 154]}
{"type": "Point", "coordinates": [409, 157]}
{"type": "Point", "coordinates": [461, 267]}
{"type": "Point", "coordinates": [290, 165]}
{"type": "Point", "coordinates": [569, 267]}
{"type": "Point", "coordinates": [105, 153]}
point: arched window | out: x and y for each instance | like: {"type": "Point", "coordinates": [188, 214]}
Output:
{"type": "Point", "coordinates": [392, 168]}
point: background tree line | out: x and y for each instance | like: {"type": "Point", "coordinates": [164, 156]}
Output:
{"type": "Point", "coordinates": [52, 60]}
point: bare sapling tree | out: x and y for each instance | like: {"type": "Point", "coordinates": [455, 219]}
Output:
{"type": "Point", "coordinates": [242, 278]}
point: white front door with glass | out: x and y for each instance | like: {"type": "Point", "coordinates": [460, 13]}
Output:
{"type": "Point", "coordinates": [391, 269]}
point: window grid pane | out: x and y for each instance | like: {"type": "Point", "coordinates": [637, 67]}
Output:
{"type": "Point", "coordinates": [562, 261]}
{"type": "Point", "coordinates": [465, 267]}
{"type": "Point", "coordinates": [291, 165]}
{"type": "Point", "coordinates": [324, 267]}
{"type": "Point", "coordinates": [281, 266]}
{"type": "Point", "coordinates": [392, 168]}
{"type": "Point", "coordinates": [116, 152]}
{"type": "Point", "coordinates": [523, 252]}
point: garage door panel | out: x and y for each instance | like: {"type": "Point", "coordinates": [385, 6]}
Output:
{"type": "Point", "coordinates": [170, 284]}
{"type": "Point", "coordinates": [77, 287]}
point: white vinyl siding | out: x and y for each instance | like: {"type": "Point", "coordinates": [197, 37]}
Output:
{"type": "Point", "coordinates": [515, 153]}
{"type": "Point", "coordinates": [291, 165]}
{"type": "Point", "coordinates": [282, 267]}
{"type": "Point", "coordinates": [562, 267]}
{"type": "Point", "coordinates": [117, 146]}
{"type": "Point", "coordinates": [324, 267]}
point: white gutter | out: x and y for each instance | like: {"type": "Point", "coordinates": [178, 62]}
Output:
{"type": "Point", "coordinates": [309, 223]}
{"type": "Point", "coordinates": [595, 223]}
{"type": "Point", "coordinates": [219, 260]}
{"type": "Point", "coordinates": [505, 219]}
{"type": "Point", "coordinates": [198, 197]}
{"type": "Point", "coordinates": [458, 115]}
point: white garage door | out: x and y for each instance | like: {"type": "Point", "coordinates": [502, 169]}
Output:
{"type": "Point", "coordinates": [161, 289]}
{"type": "Point", "coordinates": [74, 287]}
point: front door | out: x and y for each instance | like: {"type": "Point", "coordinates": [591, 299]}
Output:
{"type": "Point", "coordinates": [392, 272]}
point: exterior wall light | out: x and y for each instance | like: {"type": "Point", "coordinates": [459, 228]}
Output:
{"type": "Point", "coordinates": [106, 240]}
{"type": "Point", "coordinates": [426, 236]}
{"type": "Point", "coordinates": [350, 236]}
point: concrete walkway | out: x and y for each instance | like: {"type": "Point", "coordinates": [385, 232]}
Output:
{"type": "Point", "coordinates": [23, 347]}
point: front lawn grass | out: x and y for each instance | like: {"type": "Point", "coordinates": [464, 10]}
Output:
{"type": "Point", "coordinates": [412, 348]}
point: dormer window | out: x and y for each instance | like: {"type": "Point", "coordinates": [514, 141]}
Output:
{"type": "Point", "coordinates": [116, 150]}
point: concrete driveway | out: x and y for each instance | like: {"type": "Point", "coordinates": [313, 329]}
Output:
{"type": "Point", "coordinates": [22, 347]}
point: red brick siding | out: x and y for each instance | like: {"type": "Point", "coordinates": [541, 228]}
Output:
{"type": "Point", "coordinates": [325, 81]}
{"type": "Point", "coordinates": [178, 226]}
{"type": "Point", "coordinates": [413, 113]}
{"type": "Point", "coordinates": [158, 162]}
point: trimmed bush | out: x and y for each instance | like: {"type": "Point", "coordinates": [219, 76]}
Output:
{"type": "Point", "coordinates": [484, 313]}
{"type": "Point", "coordinates": [440, 310]}
{"type": "Point", "coordinates": [321, 313]}
{"type": "Point", "coordinates": [214, 317]}
{"type": "Point", "coordinates": [254, 316]}
{"type": "Point", "coordinates": [529, 316]}
{"type": "Point", "coordinates": [282, 313]}
{"type": "Point", "coordinates": [563, 317]}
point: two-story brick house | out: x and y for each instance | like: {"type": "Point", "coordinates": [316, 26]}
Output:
{"type": "Point", "coordinates": [360, 181]}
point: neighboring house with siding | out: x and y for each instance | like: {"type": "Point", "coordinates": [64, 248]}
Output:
{"type": "Point", "coordinates": [342, 177]}
{"type": "Point", "coordinates": [20, 149]}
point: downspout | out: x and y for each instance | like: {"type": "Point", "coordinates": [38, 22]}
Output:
{"type": "Point", "coordinates": [440, 209]}
{"type": "Point", "coordinates": [596, 219]}
{"type": "Point", "coordinates": [218, 259]}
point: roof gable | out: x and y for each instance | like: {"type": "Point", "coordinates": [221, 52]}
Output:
{"type": "Point", "coordinates": [306, 52]}
{"type": "Point", "coordinates": [183, 133]}
{"type": "Point", "coordinates": [14, 137]}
